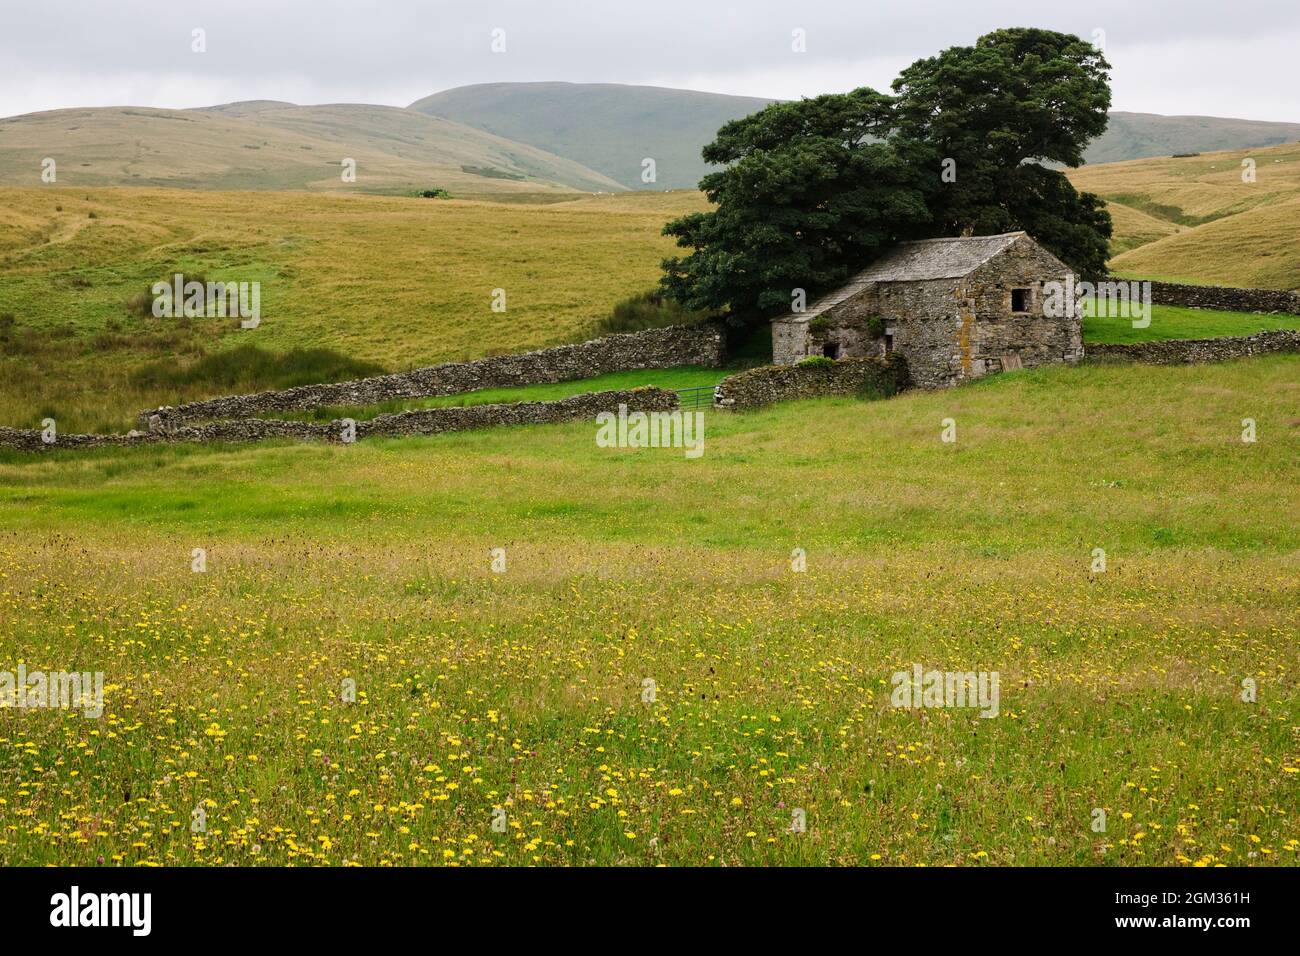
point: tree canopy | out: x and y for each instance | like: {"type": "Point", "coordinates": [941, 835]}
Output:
{"type": "Point", "coordinates": [808, 188]}
{"type": "Point", "coordinates": [813, 190]}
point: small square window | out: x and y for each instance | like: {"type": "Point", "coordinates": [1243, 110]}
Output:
{"type": "Point", "coordinates": [1019, 300]}
{"type": "Point", "coordinates": [831, 350]}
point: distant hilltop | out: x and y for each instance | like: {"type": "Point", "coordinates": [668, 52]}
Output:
{"type": "Point", "coordinates": [490, 140]}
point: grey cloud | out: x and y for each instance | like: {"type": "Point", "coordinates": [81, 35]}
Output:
{"type": "Point", "coordinates": [394, 51]}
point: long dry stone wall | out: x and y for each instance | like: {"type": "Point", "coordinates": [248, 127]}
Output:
{"type": "Point", "coordinates": [432, 421]}
{"type": "Point", "coordinates": [778, 383]}
{"type": "Point", "coordinates": [1225, 298]}
{"type": "Point", "coordinates": [1191, 351]}
{"type": "Point", "coordinates": [428, 421]}
{"type": "Point", "coordinates": [653, 348]}
{"type": "Point", "coordinates": [749, 389]}
{"type": "Point", "coordinates": [29, 439]}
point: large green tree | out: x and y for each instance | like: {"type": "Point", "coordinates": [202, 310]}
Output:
{"type": "Point", "coordinates": [1000, 110]}
{"type": "Point", "coordinates": [810, 189]}
{"type": "Point", "coordinates": [813, 190]}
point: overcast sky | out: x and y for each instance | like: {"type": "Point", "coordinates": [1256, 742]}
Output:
{"type": "Point", "coordinates": [1208, 57]}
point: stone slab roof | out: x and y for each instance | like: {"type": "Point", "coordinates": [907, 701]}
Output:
{"type": "Point", "coordinates": [927, 259]}
{"type": "Point", "coordinates": [917, 261]}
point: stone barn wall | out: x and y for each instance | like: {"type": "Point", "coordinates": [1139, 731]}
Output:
{"type": "Point", "coordinates": [925, 323]}
{"type": "Point", "coordinates": [790, 341]}
{"type": "Point", "coordinates": [949, 330]}
{"type": "Point", "coordinates": [847, 325]}
{"type": "Point", "coordinates": [993, 331]}
{"type": "Point", "coordinates": [920, 315]}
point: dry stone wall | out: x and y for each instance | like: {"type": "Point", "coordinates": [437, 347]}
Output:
{"type": "Point", "coordinates": [433, 421]}
{"type": "Point", "coordinates": [779, 383]}
{"type": "Point", "coordinates": [1193, 351]}
{"type": "Point", "coordinates": [428, 421]}
{"type": "Point", "coordinates": [1225, 298]}
{"type": "Point", "coordinates": [29, 439]}
{"type": "Point", "coordinates": [653, 348]}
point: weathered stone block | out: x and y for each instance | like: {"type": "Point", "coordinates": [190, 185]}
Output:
{"type": "Point", "coordinates": [778, 383]}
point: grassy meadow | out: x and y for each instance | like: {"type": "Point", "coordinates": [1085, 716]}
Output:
{"type": "Point", "coordinates": [350, 286]}
{"type": "Point", "coordinates": [523, 690]}
{"type": "Point", "coordinates": [393, 282]}
{"type": "Point", "coordinates": [228, 692]}
{"type": "Point", "coordinates": [397, 280]}
{"type": "Point", "coordinates": [1178, 322]}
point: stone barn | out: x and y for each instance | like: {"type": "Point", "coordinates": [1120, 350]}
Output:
{"type": "Point", "coordinates": [955, 308]}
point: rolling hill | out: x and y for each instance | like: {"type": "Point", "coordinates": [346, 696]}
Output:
{"type": "Point", "coordinates": [1141, 135]}
{"type": "Point", "coordinates": [1194, 220]}
{"type": "Point", "coordinates": [271, 145]}
{"type": "Point", "coordinates": [611, 126]}
{"type": "Point", "coordinates": [490, 141]}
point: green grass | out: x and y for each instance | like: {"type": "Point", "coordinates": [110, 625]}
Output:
{"type": "Point", "coordinates": [648, 310]}
{"type": "Point", "coordinates": [786, 447]}
{"type": "Point", "coordinates": [347, 274]}
{"type": "Point", "coordinates": [395, 282]}
{"type": "Point", "coordinates": [1176, 322]}
{"type": "Point", "coordinates": [523, 690]}
{"type": "Point", "coordinates": [249, 368]}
